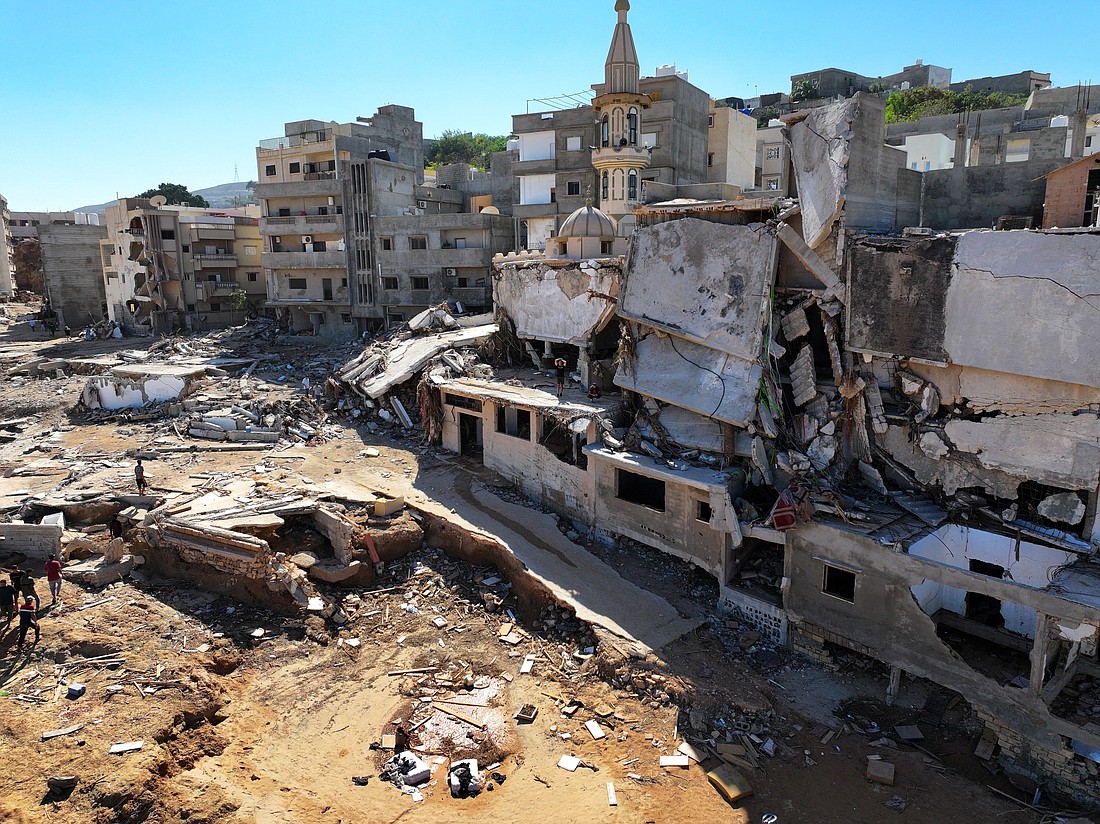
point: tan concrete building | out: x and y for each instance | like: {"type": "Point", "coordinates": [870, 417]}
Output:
{"type": "Point", "coordinates": [7, 273]}
{"type": "Point", "coordinates": [181, 267]}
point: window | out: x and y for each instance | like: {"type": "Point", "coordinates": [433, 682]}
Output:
{"type": "Point", "coordinates": [462, 283]}
{"type": "Point", "coordinates": [702, 511]}
{"type": "Point", "coordinates": [250, 251]}
{"type": "Point", "coordinates": [603, 186]}
{"type": "Point", "coordinates": [773, 153]}
{"type": "Point", "coordinates": [167, 234]}
{"type": "Point", "coordinates": [632, 185]}
{"type": "Point", "coordinates": [605, 247]}
{"type": "Point", "coordinates": [1088, 142]}
{"type": "Point", "coordinates": [632, 126]}
{"type": "Point", "coordinates": [514, 422]}
{"type": "Point", "coordinates": [343, 283]}
{"type": "Point", "coordinates": [650, 140]}
{"type": "Point", "coordinates": [840, 583]}
{"type": "Point", "coordinates": [773, 184]}
{"type": "Point", "coordinates": [394, 318]}
{"type": "Point", "coordinates": [563, 247]}
{"type": "Point", "coordinates": [573, 187]}
{"type": "Point", "coordinates": [460, 243]}
{"type": "Point", "coordinates": [296, 283]}
{"type": "Point", "coordinates": [421, 204]}
{"type": "Point", "coordinates": [295, 168]}
{"type": "Point", "coordinates": [186, 247]}
{"type": "Point", "coordinates": [640, 489]}
{"type": "Point", "coordinates": [710, 159]}
{"type": "Point", "coordinates": [284, 212]}
{"type": "Point", "coordinates": [387, 244]}
{"type": "Point", "coordinates": [190, 308]}
{"type": "Point", "coordinates": [418, 242]}
{"type": "Point", "coordinates": [553, 194]}
{"type": "Point", "coordinates": [345, 317]}
{"type": "Point", "coordinates": [710, 121]}
{"type": "Point", "coordinates": [269, 171]}
{"type": "Point", "coordinates": [462, 402]}
{"type": "Point", "coordinates": [572, 144]}
{"type": "Point", "coordinates": [322, 210]}
{"type": "Point", "coordinates": [215, 307]}
{"type": "Point", "coordinates": [420, 284]}
{"type": "Point", "coordinates": [389, 283]}
{"type": "Point", "coordinates": [605, 132]}
{"type": "Point", "coordinates": [252, 276]}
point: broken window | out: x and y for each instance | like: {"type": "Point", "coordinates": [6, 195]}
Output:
{"type": "Point", "coordinates": [640, 489]}
{"type": "Point", "coordinates": [840, 583]}
{"type": "Point", "coordinates": [702, 511]}
{"type": "Point", "coordinates": [514, 422]}
{"type": "Point", "coordinates": [462, 402]}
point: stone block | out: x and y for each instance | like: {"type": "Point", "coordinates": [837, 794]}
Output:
{"type": "Point", "coordinates": [881, 772]}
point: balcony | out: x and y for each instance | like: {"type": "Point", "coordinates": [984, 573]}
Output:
{"type": "Point", "coordinates": [303, 225]}
{"type": "Point", "coordinates": [217, 261]}
{"type": "Point", "coordinates": [535, 167]}
{"type": "Point", "coordinates": [618, 156]}
{"type": "Point", "coordinates": [215, 287]}
{"type": "Point", "coordinates": [274, 144]}
{"type": "Point", "coordinates": [305, 260]}
{"type": "Point", "coordinates": [212, 231]}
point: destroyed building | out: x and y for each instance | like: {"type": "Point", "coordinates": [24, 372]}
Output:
{"type": "Point", "coordinates": [876, 440]}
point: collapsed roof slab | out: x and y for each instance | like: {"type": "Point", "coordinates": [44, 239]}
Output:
{"type": "Point", "coordinates": [1026, 303]}
{"type": "Point", "coordinates": [560, 304]}
{"type": "Point", "coordinates": [406, 358]}
{"type": "Point", "coordinates": [705, 282]}
{"type": "Point", "coordinates": [712, 383]}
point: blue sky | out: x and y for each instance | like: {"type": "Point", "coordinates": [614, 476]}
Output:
{"type": "Point", "coordinates": [106, 97]}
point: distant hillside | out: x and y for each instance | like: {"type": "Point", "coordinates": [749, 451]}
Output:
{"type": "Point", "coordinates": [220, 197]}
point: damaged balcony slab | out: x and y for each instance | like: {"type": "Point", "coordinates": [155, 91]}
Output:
{"type": "Point", "coordinates": [706, 282]}
{"type": "Point", "coordinates": [703, 380]}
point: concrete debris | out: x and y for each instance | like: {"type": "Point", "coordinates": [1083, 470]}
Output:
{"type": "Point", "coordinates": [803, 377]}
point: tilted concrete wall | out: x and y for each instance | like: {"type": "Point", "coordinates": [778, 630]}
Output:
{"type": "Point", "coordinates": [74, 272]}
{"type": "Point", "coordinates": [553, 303]}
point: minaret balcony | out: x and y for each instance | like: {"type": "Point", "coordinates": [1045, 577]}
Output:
{"type": "Point", "coordinates": [621, 157]}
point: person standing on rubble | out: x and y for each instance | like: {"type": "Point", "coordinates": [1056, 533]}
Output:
{"type": "Point", "coordinates": [559, 366]}
{"type": "Point", "coordinates": [53, 578]}
{"type": "Point", "coordinates": [8, 601]}
{"type": "Point", "coordinates": [306, 385]}
{"type": "Point", "coordinates": [115, 527]}
{"type": "Point", "coordinates": [28, 619]}
{"type": "Point", "coordinates": [139, 477]}
{"type": "Point", "coordinates": [26, 589]}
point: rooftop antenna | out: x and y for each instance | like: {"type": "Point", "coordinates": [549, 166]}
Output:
{"type": "Point", "coordinates": [236, 177]}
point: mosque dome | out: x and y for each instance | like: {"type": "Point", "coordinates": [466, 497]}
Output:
{"type": "Point", "coordinates": [587, 221]}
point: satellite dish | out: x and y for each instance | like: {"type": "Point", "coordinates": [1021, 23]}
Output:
{"type": "Point", "coordinates": [156, 201]}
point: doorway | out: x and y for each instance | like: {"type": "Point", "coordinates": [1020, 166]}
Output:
{"type": "Point", "coordinates": [985, 609]}
{"type": "Point", "coordinates": [326, 288]}
{"type": "Point", "coordinates": [469, 433]}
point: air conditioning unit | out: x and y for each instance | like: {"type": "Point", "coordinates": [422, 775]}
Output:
{"type": "Point", "coordinates": [449, 272]}
{"type": "Point", "coordinates": [307, 238]}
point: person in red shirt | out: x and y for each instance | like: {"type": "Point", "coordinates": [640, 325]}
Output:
{"type": "Point", "coordinates": [28, 619]}
{"type": "Point", "coordinates": [53, 576]}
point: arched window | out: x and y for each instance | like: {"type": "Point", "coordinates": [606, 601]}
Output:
{"type": "Point", "coordinates": [617, 123]}
{"type": "Point", "coordinates": [603, 189]}
{"type": "Point", "coordinates": [632, 185]}
{"type": "Point", "coordinates": [632, 126]}
{"type": "Point", "coordinates": [617, 181]}
{"type": "Point", "coordinates": [605, 133]}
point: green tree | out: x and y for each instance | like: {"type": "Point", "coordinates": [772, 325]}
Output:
{"type": "Point", "coordinates": [177, 194]}
{"type": "Point", "coordinates": [925, 101]}
{"type": "Point", "coordinates": [464, 147]}
{"type": "Point", "coordinates": [239, 302]}
{"type": "Point", "coordinates": [765, 116]}
{"type": "Point", "coordinates": [805, 89]}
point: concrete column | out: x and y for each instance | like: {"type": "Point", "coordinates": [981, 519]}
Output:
{"type": "Point", "coordinates": [960, 146]}
{"type": "Point", "coordinates": [1078, 126]}
{"type": "Point", "coordinates": [1039, 654]}
{"type": "Point", "coordinates": [894, 685]}
{"type": "Point", "coordinates": [584, 367]}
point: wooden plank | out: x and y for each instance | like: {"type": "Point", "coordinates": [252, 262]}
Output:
{"type": "Point", "coordinates": [46, 736]}
{"type": "Point", "coordinates": [464, 718]}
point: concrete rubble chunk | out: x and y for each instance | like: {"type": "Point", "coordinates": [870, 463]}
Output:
{"type": "Point", "coordinates": [812, 261]}
{"type": "Point", "coordinates": [881, 772]}
{"type": "Point", "coordinates": [1066, 507]}
{"type": "Point", "coordinates": [803, 377]}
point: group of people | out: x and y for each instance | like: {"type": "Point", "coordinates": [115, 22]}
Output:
{"type": "Point", "coordinates": [18, 595]}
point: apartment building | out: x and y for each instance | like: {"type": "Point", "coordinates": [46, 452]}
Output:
{"type": "Point", "coordinates": [7, 246]}
{"type": "Point", "coordinates": [320, 185]}
{"type": "Point", "coordinates": [180, 267]}
{"type": "Point", "coordinates": [661, 134]}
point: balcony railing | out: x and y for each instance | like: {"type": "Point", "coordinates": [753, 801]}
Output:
{"type": "Point", "coordinates": [217, 285]}
{"type": "Point", "coordinates": [319, 176]}
{"type": "Point", "coordinates": [290, 141]}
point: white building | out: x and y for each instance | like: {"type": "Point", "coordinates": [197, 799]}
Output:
{"type": "Point", "coordinates": [928, 152]}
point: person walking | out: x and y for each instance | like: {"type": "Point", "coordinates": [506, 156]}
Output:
{"type": "Point", "coordinates": [115, 526]}
{"type": "Point", "coordinates": [53, 578]}
{"type": "Point", "coordinates": [26, 589]}
{"type": "Point", "coordinates": [139, 477]}
{"type": "Point", "coordinates": [8, 601]}
{"type": "Point", "coordinates": [28, 619]}
{"type": "Point", "coordinates": [559, 366]}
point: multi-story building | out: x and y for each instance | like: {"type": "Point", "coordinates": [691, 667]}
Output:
{"type": "Point", "coordinates": [181, 267]}
{"type": "Point", "coordinates": [320, 186]}
{"type": "Point", "coordinates": [563, 154]}
{"type": "Point", "coordinates": [731, 145]}
{"type": "Point", "coordinates": [833, 82]}
{"type": "Point", "coordinates": [71, 273]}
{"type": "Point", "coordinates": [773, 160]}
{"type": "Point", "coordinates": [7, 246]}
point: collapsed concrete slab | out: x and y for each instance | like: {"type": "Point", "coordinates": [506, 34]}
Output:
{"type": "Point", "coordinates": [558, 301]}
{"type": "Point", "coordinates": [702, 380]}
{"type": "Point", "coordinates": [134, 386]}
{"type": "Point", "coordinates": [706, 282]}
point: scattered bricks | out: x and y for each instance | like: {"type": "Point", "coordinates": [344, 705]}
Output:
{"type": "Point", "coordinates": [881, 772]}
{"type": "Point", "coordinates": [388, 507]}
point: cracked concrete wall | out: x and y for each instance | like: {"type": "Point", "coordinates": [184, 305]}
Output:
{"type": "Point", "coordinates": [707, 282]}
{"type": "Point", "coordinates": [986, 391]}
{"type": "Point", "coordinates": [1027, 303]}
{"type": "Point", "coordinates": [104, 392]}
{"type": "Point", "coordinates": [886, 619]}
{"type": "Point", "coordinates": [552, 303]}
{"type": "Point", "coordinates": [719, 386]}
{"type": "Point", "coordinates": [1060, 450]}
{"type": "Point", "coordinates": [973, 197]}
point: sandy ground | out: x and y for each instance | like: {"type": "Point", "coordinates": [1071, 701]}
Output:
{"type": "Point", "coordinates": [239, 729]}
